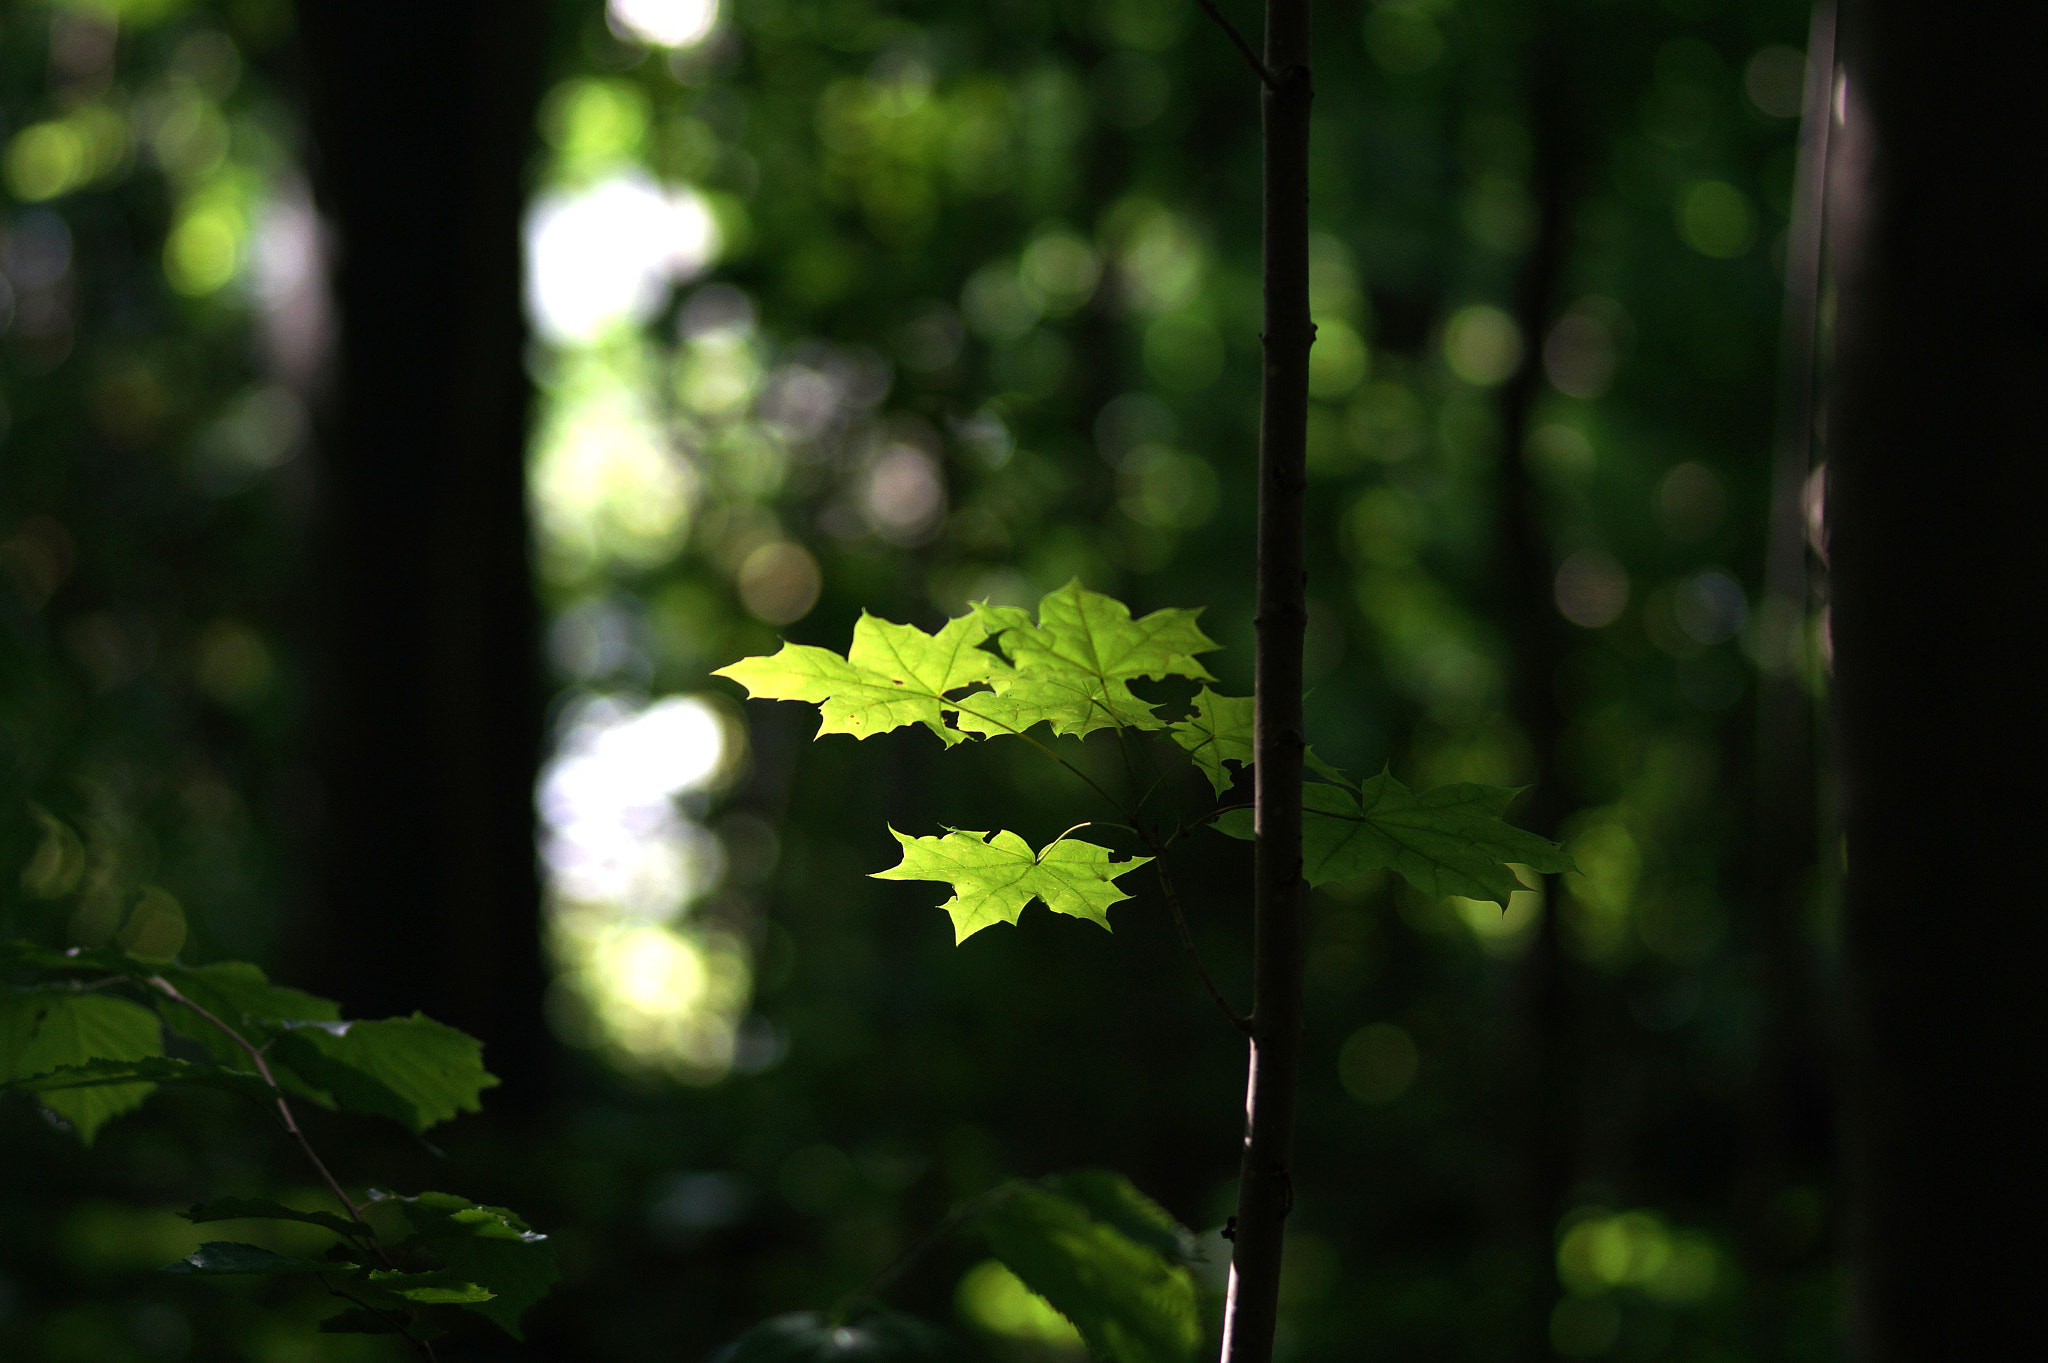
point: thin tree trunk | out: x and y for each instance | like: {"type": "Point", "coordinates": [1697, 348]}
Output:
{"type": "Point", "coordinates": [1265, 1189]}
{"type": "Point", "coordinates": [1938, 476]}
{"type": "Point", "coordinates": [1788, 1136]}
{"type": "Point", "coordinates": [1547, 1125]}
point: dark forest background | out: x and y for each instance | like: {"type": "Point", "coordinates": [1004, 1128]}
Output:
{"type": "Point", "coordinates": [405, 406]}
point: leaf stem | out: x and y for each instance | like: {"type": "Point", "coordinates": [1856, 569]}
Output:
{"type": "Point", "coordinates": [1265, 72]}
{"type": "Point", "coordinates": [1090, 781]}
{"type": "Point", "coordinates": [1187, 940]}
{"type": "Point", "coordinates": [425, 1346]}
{"type": "Point", "coordinates": [284, 1112]}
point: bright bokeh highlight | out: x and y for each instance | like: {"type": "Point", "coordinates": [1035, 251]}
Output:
{"type": "Point", "coordinates": [665, 23]}
{"type": "Point", "coordinates": [605, 255]}
{"type": "Point", "coordinates": [625, 863]}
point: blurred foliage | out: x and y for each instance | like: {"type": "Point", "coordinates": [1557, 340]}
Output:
{"type": "Point", "coordinates": [850, 306]}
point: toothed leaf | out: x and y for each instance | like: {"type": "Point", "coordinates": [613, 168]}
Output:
{"type": "Point", "coordinates": [1131, 1302]}
{"type": "Point", "coordinates": [1447, 841]}
{"type": "Point", "coordinates": [894, 675]}
{"type": "Point", "coordinates": [414, 1070]}
{"type": "Point", "coordinates": [43, 1031]}
{"type": "Point", "coordinates": [993, 878]}
{"type": "Point", "coordinates": [1219, 731]}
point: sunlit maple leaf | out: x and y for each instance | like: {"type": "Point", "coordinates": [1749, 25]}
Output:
{"type": "Point", "coordinates": [892, 676]}
{"type": "Point", "coordinates": [993, 878]}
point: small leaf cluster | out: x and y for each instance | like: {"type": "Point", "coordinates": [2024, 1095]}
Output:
{"type": "Point", "coordinates": [997, 670]}
{"type": "Point", "coordinates": [91, 1033]}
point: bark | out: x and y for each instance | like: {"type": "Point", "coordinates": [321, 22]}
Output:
{"type": "Point", "coordinates": [1937, 478]}
{"type": "Point", "coordinates": [1789, 1138]}
{"type": "Point", "coordinates": [1547, 1123]}
{"type": "Point", "coordinates": [429, 699]}
{"type": "Point", "coordinates": [1265, 1189]}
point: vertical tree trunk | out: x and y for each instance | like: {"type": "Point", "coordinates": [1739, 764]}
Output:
{"type": "Point", "coordinates": [429, 701]}
{"type": "Point", "coordinates": [1547, 1123]}
{"type": "Point", "coordinates": [1938, 476]}
{"type": "Point", "coordinates": [1787, 1138]}
{"type": "Point", "coordinates": [1265, 1190]}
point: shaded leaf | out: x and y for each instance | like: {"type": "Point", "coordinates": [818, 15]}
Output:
{"type": "Point", "coordinates": [443, 1287]}
{"type": "Point", "coordinates": [148, 1071]}
{"type": "Point", "coordinates": [1219, 731]}
{"type": "Point", "coordinates": [262, 1209]}
{"type": "Point", "coordinates": [809, 1337]}
{"type": "Point", "coordinates": [1130, 1302]}
{"type": "Point", "coordinates": [488, 1246]}
{"type": "Point", "coordinates": [414, 1070]}
{"type": "Point", "coordinates": [993, 878]}
{"type": "Point", "coordinates": [220, 1258]}
{"type": "Point", "coordinates": [1111, 1197]}
{"type": "Point", "coordinates": [18, 955]}
{"type": "Point", "coordinates": [1447, 841]}
{"type": "Point", "coordinates": [892, 676]}
{"type": "Point", "coordinates": [45, 1030]}
{"type": "Point", "coordinates": [357, 1321]}
{"type": "Point", "coordinates": [1325, 770]}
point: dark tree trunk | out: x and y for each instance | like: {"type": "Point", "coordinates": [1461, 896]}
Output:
{"type": "Point", "coordinates": [1265, 1193]}
{"type": "Point", "coordinates": [430, 698]}
{"type": "Point", "coordinates": [1938, 476]}
{"type": "Point", "coordinates": [1789, 1137]}
{"type": "Point", "coordinates": [1546, 1080]}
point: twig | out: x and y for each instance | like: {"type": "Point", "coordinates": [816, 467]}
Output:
{"type": "Point", "coordinates": [425, 1346]}
{"type": "Point", "coordinates": [284, 1110]}
{"type": "Point", "coordinates": [1107, 798]}
{"type": "Point", "coordinates": [1265, 75]}
{"type": "Point", "coordinates": [1187, 939]}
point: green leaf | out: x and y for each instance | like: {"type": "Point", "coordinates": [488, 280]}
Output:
{"type": "Point", "coordinates": [220, 1258]}
{"type": "Point", "coordinates": [262, 1209]}
{"type": "Point", "coordinates": [18, 955]}
{"type": "Point", "coordinates": [892, 676]}
{"type": "Point", "coordinates": [1447, 841]}
{"type": "Point", "coordinates": [1219, 731]}
{"type": "Point", "coordinates": [1087, 632]}
{"type": "Point", "coordinates": [1325, 770]}
{"type": "Point", "coordinates": [1111, 1197]}
{"type": "Point", "coordinates": [414, 1070]}
{"type": "Point", "coordinates": [442, 1287]}
{"type": "Point", "coordinates": [809, 1337]}
{"type": "Point", "coordinates": [488, 1246]}
{"type": "Point", "coordinates": [1130, 1302]}
{"type": "Point", "coordinates": [994, 878]}
{"type": "Point", "coordinates": [44, 1030]}
{"type": "Point", "coordinates": [357, 1321]}
{"type": "Point", "coordinates": [1073, 665]}
{"type": "Point", "coordinates": [146, 1072]}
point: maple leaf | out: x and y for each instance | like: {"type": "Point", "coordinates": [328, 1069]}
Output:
{"type": "Point", "coordinates": [993, 878]}
{"type": "Point", "coordinates": [1447, 841]}
{"type": "Point", "coordinates": [1073, 666]}
{"type": "Point", "coordinates": [1219, 731]}
{"type": "Point", "coordinates": [892, 676]}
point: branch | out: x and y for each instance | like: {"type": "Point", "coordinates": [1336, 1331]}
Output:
{"type": "Point", "coordinates": [1187, 939]}
{"type": "Point", "coordinates": [425, 1347]}
{"type": "Point", "coordinates": [1266, 76]}
{"type": "Point", "coordinates": [284, 1110]}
